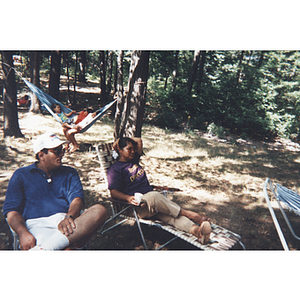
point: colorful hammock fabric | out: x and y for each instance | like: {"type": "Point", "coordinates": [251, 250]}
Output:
{"type": "Point", "coordinates": [48, 101]}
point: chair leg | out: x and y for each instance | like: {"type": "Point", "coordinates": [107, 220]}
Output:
{"type": "Point", "coordinates": [139, 226]}
{"type": "Point", "coordinates": [275, 221]}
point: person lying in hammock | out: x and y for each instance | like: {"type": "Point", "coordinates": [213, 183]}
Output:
{"type": "Point", "coordinates": [71, 126]}
{"type": "Point", "coordinates": [126, 177]}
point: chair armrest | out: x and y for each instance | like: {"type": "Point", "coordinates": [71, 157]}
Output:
{"type": "Point", "coordinates": [165, 188]}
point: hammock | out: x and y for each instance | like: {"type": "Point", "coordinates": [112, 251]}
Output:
{"type": "Point", "coordinates": [48, 101]}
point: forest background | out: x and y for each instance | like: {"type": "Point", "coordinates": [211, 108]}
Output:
{"type": "Point", "coordinates": [250, 93]}
{"type": "Point", "coordinates": [161, 25]}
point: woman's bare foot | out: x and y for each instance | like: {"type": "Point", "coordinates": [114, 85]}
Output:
{"type": "Point", "coordinates": [202, 232]}
{"type": "Point", "coordinates": [195, 217]}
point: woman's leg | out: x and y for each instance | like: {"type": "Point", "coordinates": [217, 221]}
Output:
{"type": "Point", "coordinates": [171, 213]}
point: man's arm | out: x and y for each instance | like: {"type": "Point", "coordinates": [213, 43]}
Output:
{"type": "Point", "coordinates": [17, 223]}
{"type": "Point", "coordinates": [67, 225]}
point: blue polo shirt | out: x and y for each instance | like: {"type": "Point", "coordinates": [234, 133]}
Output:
{"type": "Point", "coordinates": [33, 195]}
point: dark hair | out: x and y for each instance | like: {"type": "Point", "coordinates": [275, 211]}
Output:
{"type": "Point", "coordinates": [43, 150]}
{"type": "Point", "coordinates": [124, 141]}
{"type": "Point", "coordinates": [54, 105]}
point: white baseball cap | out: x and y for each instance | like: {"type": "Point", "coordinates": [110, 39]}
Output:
{"type": "Point", "coordinates": [46, 141]}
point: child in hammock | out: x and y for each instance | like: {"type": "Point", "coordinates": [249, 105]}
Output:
{"type": "Point", "coordinates": [73, 125]}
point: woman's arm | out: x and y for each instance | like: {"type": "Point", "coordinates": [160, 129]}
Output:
{"type": "Point", "coordinates": [139, 142]}
{"type": "Point", "coordinates": [121, 196]}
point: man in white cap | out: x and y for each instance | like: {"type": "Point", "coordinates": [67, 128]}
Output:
{"type": "Point", "coordinates": [44, 201]}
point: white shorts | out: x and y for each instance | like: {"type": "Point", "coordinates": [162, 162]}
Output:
{"type": "Point", "coordinates": [43, 228]}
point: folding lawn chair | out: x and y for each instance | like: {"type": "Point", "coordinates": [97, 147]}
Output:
{"type": "Point", "coordinates": [220, 238]}
{"type": "Point", "coordinates": [286, 199]}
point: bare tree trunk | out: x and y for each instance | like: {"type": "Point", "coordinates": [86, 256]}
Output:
{"type": "Point", "coordinates": [66, 63]}
{"type": "Point", "coordinates": [102, 75]}
{"type": "Point", "coordinates": [35, 66]}
{"type": "Point", "coordinates": [238, 75]}
{"type": "Point", "coordinates": [193, 71]}
{"type": "Point", "coordinates": [82, 64]}
{"type": "Point", "coordinates": [11, 122]}
{"type": "Point", "coordinates": [109, 71]}
{"type": "Point", "coordinates": [133, 111]}
{"type": "Point", "coordinates": [175, 71]}
{"type": "Point", "coordinates": [75, 79]}
{"type": "Point", "coordinates": [119, 95]}
{"type": "Point", "coordinates": [201, 68]}
{"type": "Point", "coordinates": [54, 74]}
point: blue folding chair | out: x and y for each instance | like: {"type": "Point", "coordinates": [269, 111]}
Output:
{"type": "Point", "coordinates": [286, 200]}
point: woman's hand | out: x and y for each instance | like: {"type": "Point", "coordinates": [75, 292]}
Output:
{"type": "Point", "coordinates": [132, 201]}
{"type": "Point", "coordinates": [115, 145]}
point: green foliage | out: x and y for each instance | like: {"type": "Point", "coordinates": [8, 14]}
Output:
{"type": "Point", "coordinates": [253, 93]}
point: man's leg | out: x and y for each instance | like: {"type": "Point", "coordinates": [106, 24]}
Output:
{"type": "Point", "coordinates": [87, 224]}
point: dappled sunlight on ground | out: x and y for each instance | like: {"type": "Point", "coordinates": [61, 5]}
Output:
{"type": "Point", "coordinates": [219, 177]}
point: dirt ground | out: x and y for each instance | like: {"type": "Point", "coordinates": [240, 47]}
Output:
{"type": "Point", "coordinates": [221, 177]}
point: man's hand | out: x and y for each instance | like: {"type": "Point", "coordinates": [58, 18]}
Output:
{"type": "Point", "coordinates": [66, 226]}
{"type": "Point", "coordinates": [27, 240]}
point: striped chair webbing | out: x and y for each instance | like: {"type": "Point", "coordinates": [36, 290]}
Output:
{"type": "Point", "coordinates": [104, 152]}
{"type": "Point", "coordinates": [220, 237]}
{"type": "Point", "coordinates": [289, 197]}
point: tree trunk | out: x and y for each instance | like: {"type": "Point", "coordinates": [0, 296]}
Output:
{"type": "Point", "coordinates": [102, 75]}
{"type": "Point", "coordinates": [82, 64]}
{"type": "Point", "coordinates": [133, 111]}
{"type": "Point", "coordinates": [11, 122]}
{"type": "Point", "coordinates": [201, 69]}
{"type": "Point", "coordinates": [54, 75]}
{"type": "Point", "coordinates": [75, 79]}
{"type": "Point", "coordinates": [193, 71]}
{"type": "Point", "coordinates": [35, 79]}
{"type": "Point", "coordinates": [175, 71]}
{"type": "Point", "coordinates": [109, 71]}
{"type": "Point", "coordinates": [116, 76]}
{"type": "Point", "coordinates": [119, 95]}
{"type": "Point", "coordinates": [66, 64]}
{"type": "Point", "coordinates": [261, 58]}
{"type": "Point", "coordinates": [239, 72]}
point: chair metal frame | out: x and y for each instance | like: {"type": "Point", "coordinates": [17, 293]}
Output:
{"type": "Point", "coordinates": [220, 239]}
{"type": "Point", "coordinates": [286, 199]}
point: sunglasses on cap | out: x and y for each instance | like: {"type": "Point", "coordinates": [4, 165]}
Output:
{"type": "Point", "coordinates": [57, 151]}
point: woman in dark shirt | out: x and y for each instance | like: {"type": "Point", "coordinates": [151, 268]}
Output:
{"type": "Point", "coordinates": [126, 177]}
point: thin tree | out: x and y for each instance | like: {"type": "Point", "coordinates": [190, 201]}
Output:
{"type": "Point", "coordinates": [193, 71]}
{"type": "Point", "coordinates": [109, 71]}
{"type": "Point", "coordinates": [35, 79]}
{"type": "Point", "coordinates": [11, 121]}
{"type": "Point", "coordinates": [82, 64]}
{"type": "Point", "coordinates": [175, 71]}
{"type": "Point", "coordinates": [102, 75]}
{"type": "Point", "coordinates": [55, 74]}
{"type": "Point", "coordinates": [201, 69]}
{"type": "Point", "coordinates": [135, 99]}
{"type": "Point", "coordinates": [119, 94]}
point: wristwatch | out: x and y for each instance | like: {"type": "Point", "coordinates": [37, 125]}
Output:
{"type": "Point", "coordinates": [69, 216]}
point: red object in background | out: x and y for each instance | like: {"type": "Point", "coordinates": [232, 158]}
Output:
{"type": "Point", "coordinates": [23, 101]}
